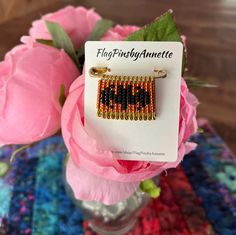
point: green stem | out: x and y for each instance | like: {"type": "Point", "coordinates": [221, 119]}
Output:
{"type": "Point", "coordinates": [17, 151]}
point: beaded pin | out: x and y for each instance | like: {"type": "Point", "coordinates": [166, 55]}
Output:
{"type": "Point", "coordinates": [126, 97]}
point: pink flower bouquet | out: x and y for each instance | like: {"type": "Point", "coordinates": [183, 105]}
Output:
{"type": "Point", "coordinates": [42, 91]}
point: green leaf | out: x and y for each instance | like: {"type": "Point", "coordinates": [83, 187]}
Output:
{"type": "Point", "coordinates": [149, 187]}
{"type": "Point", "coordinates": [161, 29]}
{"type": "Point", "coordinates": [193, 82]}
{"type": "Point", "coordinates": [100, 29]}
{"type": "Point", "coordinates": [61, 40]}
{"type": "Point", "coordinates": [62, 97]}
{"type": "Point", "coordinates": [45, 41]}
{"type": "Point", "coordinates": [4, 167]}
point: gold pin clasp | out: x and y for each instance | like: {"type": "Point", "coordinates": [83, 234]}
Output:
{"type": "Point", "coordinates": [160, 73]}
{"type": "Point", "coordinates": [98, 71]}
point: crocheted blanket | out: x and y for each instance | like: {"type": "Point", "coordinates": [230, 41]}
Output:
{"type": "Point", "coordinates": [199, 197]}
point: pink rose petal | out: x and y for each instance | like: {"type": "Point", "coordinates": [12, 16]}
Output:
{"type": "Point", "coordinates": [89, 187]}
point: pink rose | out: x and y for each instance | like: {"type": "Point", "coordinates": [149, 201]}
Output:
{"type": "Point", "coordinates": [30, 79]}
{"type": "Point", "coordinates": [93, 176]}
{"type": "Point", "coordinates": [78, 22]}
{"type": "Point", "coordinates": [116, 179]}
{"type": "Point", "coordinates": [119, 33]}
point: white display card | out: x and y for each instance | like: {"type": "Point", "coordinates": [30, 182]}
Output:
{"type": "Point", "coordinates": [155, 140]}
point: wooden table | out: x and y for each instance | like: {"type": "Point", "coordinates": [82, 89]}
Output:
{"type": "Point", "coordinates": [211, 30]}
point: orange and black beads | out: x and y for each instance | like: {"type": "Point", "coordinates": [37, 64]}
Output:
{"type": "Point", "coordinates": [126, 97]}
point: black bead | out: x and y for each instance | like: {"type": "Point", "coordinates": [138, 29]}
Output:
{"type": "Point", "coordinates": [124, 96]}
{"type": "Point", "coordinates": [120, 88]}
{"type": "Point", "coordinates": [129, 89]}
{"type": "Point", "coordinates": [116, 99]}
{"type": "Point", "coordinates": [123, 106]}
{"type": "Point", "coordinates": [107, 97]}
{"type": "Point", "coordinates": [138, 97]}
{"type": "Point", "coordinates": [120, 92]}
{"type": "Point", "coordinates": [147, 97]}
{"type": "Point", "coordinates": [112, 94]}
{"type": "Point", "coordinates": [129, 99]}
{"type": "Point", "coordinates": [132, 99]}
{"type": "Point", "coordinates": [103, 97]}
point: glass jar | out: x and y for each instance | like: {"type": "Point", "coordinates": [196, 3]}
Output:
{"type": "Point", "coordinates": [114, 219]}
